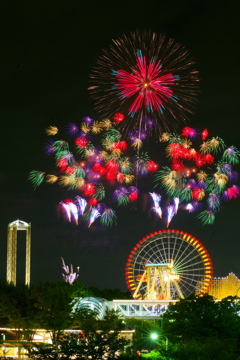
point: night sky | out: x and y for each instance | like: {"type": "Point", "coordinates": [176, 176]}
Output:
{"type": "Point", "coordinates": [48, 49]}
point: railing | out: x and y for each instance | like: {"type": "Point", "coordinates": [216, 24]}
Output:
{"type": "Point", "coordinates": [148, 309]}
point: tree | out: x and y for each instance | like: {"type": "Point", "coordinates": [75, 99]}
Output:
{"type": "Point", "coordinates": [110, 294]}
{"type": "Point", "coordinates": [97, 339]}
{"type": "Point", "coordinates": [54, 303]}
{"type": "Point", "coordinates": [79, 290]}
{"type": "Point", "coordinates": [200, 317]}
{"type": "Point", "coordinates": [207, 349]}
{"type": "Point", "coordinates": [144, 328]}
{"type": "Point", "coordinates": [17, 308]}
{"type": "Point", "coordinates": [201, 328]}
{"type": "Point", "coordinates": [101, 337]}
{"type": "Point", "coordinates": [155, 355]}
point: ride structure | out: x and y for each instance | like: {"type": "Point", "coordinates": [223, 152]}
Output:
{"type": "Point", "coordinates": [168, 265]}
{"type": "Point", "coordinates": [159, 276]}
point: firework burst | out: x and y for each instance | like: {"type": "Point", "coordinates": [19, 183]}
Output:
{"type": "Point", "coordinates": [102, 175]}
{"type": "Point", "coordinates": [147, 76]}
{"type": "Point", "coordinates": [200, 176]}
{"type": "Point", "coordinates": [70, 276]}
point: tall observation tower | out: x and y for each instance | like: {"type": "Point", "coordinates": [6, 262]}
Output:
{"type": "Point", "coordinates": [13, 228]}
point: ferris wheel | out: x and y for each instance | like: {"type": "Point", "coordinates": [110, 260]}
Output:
{"type": "Point", "coordinates": [168, 264]}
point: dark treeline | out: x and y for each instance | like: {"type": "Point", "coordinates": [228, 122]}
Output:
{"type": "Point", "coordinates": [46, 306]}
{"type": "Point", "coordinates": [49, 306]}
{"type": "Point", "coordinates": [196, 328]}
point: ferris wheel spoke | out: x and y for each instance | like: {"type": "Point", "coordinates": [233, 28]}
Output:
{"type": "Point", "coordinates": [158, 254]}
{"type": "Point", "coordinates": [188, 267]}
{"type": "Point", "coordinates": [192, 272]}
{"type": "Point", "coordinates": [165, 254]}
{"type": "Point", "coordinates": [160, 251]}
{"type": "Point", "coordinates": [150, 254]}
{"type": "Point", "coordinates": [187, 289]}
{"type": "Point", "coordinates": [186, 252]}
{"type": "Point", "coordinates": [187, 286]}
{"type": "Point", "coordinates": [189, 258]}
{"type": "Point", "coordinates": [179, 250]}
{"type": "Point", "coordinates": [174, 247]}
{"type": "Point", "coordinates": [190, 279]}
{"type": "Point", "coordinates": [189, 264]}
{"type": "Point", "coordinates": [168, 247]}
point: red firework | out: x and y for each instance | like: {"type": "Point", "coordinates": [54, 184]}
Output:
{"type": "Point", "coordinates": [145, 75]}
{"type": "Point", "coordinates": [89, 190]}
{"type": "Point", "coordinates": [81, 142]}
{"type": "Point", "coordinates": [145, 84]}
{"type": "Point", "coordinates": [118, 117]}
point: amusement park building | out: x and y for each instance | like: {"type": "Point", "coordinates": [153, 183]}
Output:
{"type": "Point", "coordinates": [220, 288]}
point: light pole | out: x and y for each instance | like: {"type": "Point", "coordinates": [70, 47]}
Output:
{"type": "Point", "coordinates": [166, 342]}
{"type": "Point", "coordinates": [154, 336]}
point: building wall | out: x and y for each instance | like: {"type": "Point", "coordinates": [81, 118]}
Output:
{"type": "Point", "coordinates": [223, 287]}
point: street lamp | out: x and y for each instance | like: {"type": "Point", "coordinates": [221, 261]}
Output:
{"type": "Point", "coordinates": [154, 336]}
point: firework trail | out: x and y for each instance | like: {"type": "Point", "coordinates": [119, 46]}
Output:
{"type": "Point", "coordinates": [170, 213]}
{"type": "Point", "coordinates": [94, 214]}
{"type": "Point", "coordinates": [74, 211]}
{"type": "Point", "coordinates": [82, 203]}
{"type": "Point", "coordinates": [66, 207]}
{"type": "Point", "coordinates": [156, 200]}
{"type": "Point", "coordinates": [176, 201]}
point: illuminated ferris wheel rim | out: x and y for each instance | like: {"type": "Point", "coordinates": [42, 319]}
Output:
{"type": "Point", "coordinates": [203, 261]}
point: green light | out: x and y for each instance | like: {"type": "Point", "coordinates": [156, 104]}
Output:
{"type": "Point", "coordinates": [154, 336]}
